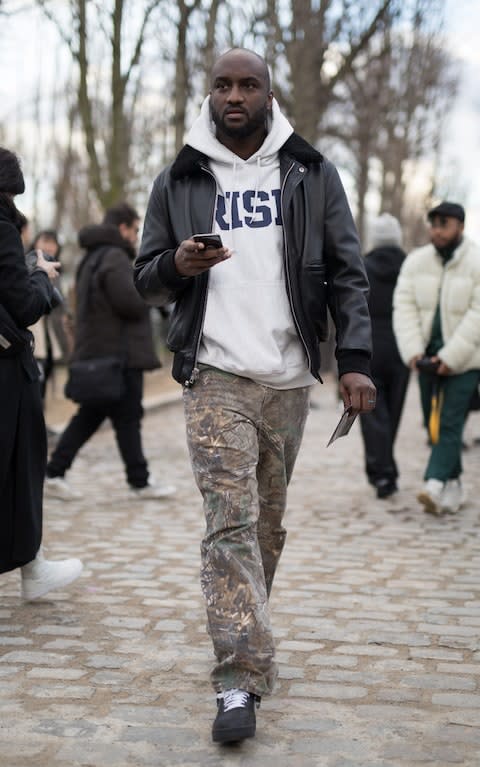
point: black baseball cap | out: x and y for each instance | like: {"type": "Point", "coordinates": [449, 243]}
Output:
{"type": "Point", "coordinates": [447, 209]}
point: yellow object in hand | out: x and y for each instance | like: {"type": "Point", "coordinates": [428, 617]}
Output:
{"type": "Point", "coordinates": [435, 415]}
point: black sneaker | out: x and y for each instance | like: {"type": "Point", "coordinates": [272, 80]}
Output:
{"type": "Point", "coordinates": [235, 718]}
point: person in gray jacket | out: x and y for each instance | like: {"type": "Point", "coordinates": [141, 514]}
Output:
{"type": "Point", "coordinates": [246, 325]}
{"type": "Point", "coordinates": [111, 319]}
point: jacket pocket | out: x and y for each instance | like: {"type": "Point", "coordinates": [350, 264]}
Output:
{"type": "Point", "coordinates": [315, 299]}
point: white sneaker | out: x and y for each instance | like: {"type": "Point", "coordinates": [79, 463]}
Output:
{"type": "Point", "coordinates": [41, 575]}
{"type": "Point", "coordinates": [431, 495]}
{"type": "Point", "coordinates": [58, 487]}
{"type": "Point", "coordinates": [452, 497]}
{"type": "Point", "coordinates": [152, 491]}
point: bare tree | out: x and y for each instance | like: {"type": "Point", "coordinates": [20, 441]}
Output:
{"type": "Point", "coordinates": [181, 69]}
{"type": "Point", "coordinates": [421, 83]}
{"type": "Point", "coordinates": [209, 49]}
{"type": "Point", "coordinates": [106, 124]}
{"type": "Point", "coordinates": [343, 69]}
{"type": "Point", "coordinates": [387, 110]}
{"type": "Point", "coordinates": [321, 43]}
{"type": "Point", "coordinates": [361, 120]}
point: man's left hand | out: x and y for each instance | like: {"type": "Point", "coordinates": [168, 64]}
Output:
{"type": "Point", "coordinates": [358, 392]}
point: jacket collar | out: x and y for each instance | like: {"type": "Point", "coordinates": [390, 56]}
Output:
{"type": "Point", "coordinates": [189, 161]}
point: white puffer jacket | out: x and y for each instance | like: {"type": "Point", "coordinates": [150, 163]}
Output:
{"type": "Point", "coordinates": [422, 281]}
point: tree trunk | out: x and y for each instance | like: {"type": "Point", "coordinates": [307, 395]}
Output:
{"type": "Point", "coordinates": [85, 104]}
{"type": "Point", "coordinates": [117, 150]}
{"type": "Point", "coordinates": [181, 75]}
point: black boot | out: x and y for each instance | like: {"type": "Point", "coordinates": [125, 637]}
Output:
{"type": "Point", "coordinates": [385, 487]}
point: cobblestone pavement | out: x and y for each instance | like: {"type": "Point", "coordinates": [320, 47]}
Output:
{"type": "Point", "coordinates": [376, 610]}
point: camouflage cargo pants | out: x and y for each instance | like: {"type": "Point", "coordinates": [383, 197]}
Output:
{"type": "Point", "coordinates": [243, 440]}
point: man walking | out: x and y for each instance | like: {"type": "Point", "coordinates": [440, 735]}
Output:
{"type": "Point", "coordinates": [245, 330]}
{"type": "Point", "coordinates": [436, 321]}
{"type": "Point", "coordinates": [111, 319]}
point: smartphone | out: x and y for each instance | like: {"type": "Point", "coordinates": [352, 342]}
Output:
{"type": "Point", "coordinates": [427, 365]}
{"type": "Point", "coordinates": [210, 240]}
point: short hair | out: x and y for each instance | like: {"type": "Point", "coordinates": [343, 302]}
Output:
{"type": "Point", "coordinates": [47, 234]}
{"type": "Point", "coordinates": [11, 176]}
{"type": "Point", "coordinates": [121, 213]}
{"type": "Point", "coordinates": [268, 80]}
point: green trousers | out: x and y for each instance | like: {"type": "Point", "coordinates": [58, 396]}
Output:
{"type": "Point", "coordinates": [445, 460]}
{"type": "Point", "coordinates": [243, 440]}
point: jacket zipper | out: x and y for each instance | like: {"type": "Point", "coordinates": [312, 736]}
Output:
{"type": "Point", "coordinates": [287, 271]}
{"type": "Point", "coordinates": [195, 371]}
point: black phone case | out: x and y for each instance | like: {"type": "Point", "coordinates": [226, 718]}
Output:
{"type": "Point", "coordinates": [209, 240]}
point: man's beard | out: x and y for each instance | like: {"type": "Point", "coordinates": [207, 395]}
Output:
{"type": "Point", "coordinates": [255, 121]}
{"type": "Point", "coordinates": [445, 251]}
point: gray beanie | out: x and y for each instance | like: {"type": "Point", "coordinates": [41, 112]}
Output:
{"type": "Point", "coordinates": [385, 230]}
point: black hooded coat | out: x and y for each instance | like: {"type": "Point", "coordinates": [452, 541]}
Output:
{"type": "Point", "coordinates": [390, 375]}
{"type": "Point", "coordinates": [383, 266]}
{"type": "Point", "coordinates": [110, 316]}
{"type": "Point", "coordinates": [23, 444]}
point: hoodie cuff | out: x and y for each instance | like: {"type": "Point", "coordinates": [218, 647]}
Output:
{"type": "Point", "coordinates": [353, 361]}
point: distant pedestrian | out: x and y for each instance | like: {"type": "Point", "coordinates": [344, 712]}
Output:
{"type": "Point", "coordinates": [379, 428]}
{"type": "Point", "coordinates": [24, 297]}
{"type": "Point", "coordinates": [437, 326]}
{"type": "Point", "coordinates": [250, 309]}
{"type": "Point", "coordinates": [53, 340]}
{"type": "Point", "coordinates": [110, 320]}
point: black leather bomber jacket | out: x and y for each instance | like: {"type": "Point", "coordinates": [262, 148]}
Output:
{"type": "Point", "coordinates": [323, 264]}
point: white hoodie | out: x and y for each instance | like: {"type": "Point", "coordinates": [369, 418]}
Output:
{"type": "Point", "coordinates": [248, 328]}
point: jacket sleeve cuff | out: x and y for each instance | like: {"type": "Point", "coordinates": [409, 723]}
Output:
{"type": "Point", "coordinates": [167, 271]}
{"type": "Point", "coordinates": [353, 361]}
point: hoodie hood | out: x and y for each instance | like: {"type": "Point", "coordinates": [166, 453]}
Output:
{"type": "Point", "coordinates": [202, 137]}
{"type": "Point", "coordinates": [383, 263]}
{"type": "Point", "coordinates": [97, 235]}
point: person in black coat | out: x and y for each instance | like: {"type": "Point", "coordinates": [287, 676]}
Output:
{"type": "Point", "coordinates": [379, 428]}
{"type": "Point", "coordinates": [111, 319]}
{"type": "Point", "coordinates": [24, 298]}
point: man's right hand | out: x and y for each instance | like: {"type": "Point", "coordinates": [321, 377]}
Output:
{"type": "Point", "coordinates": [193, 258]}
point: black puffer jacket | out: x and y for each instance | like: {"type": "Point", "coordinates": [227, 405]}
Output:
{"type": "Point", "coordinates": [323, 265]}
{"type": "Point", "coordinates": [111, 318]}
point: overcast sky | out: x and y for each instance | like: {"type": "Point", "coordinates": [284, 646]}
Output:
{"type": "Point", "coordinates": [462, 134]}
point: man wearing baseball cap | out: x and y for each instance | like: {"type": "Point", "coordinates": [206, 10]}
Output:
{"type": "Point", "coordinates": [436, 321]}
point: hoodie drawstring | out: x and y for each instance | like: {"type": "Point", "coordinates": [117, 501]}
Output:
{"type": "Point", "coordinates": [255, 194]}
